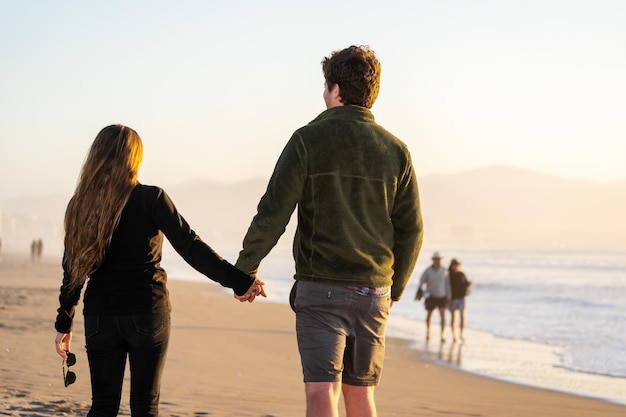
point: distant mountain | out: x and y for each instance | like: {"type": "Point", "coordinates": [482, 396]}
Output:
{"type": "Point", "coordinates": [485, 208]}
{"type": "Point", "coordinates": [502, 206]}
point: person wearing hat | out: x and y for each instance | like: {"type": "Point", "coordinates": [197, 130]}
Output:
{"type": "Point", "coordinates": [459, 285]}
{"type": "Point", "coordinates": [439, 293]}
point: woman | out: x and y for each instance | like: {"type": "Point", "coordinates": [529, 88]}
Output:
{"type": "Point", "coordinates": [460, 288]}
{"type": "Point", "coordinates": [114, 230]}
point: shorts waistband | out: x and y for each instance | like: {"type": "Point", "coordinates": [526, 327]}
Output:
{"type": "Point", "coordinates": [371, 292]}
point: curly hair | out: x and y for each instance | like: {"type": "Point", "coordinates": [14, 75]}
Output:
{"type": "Point", "coordinates": [357, 72]}
{"type": "Point", "coordinates": [107, 178]}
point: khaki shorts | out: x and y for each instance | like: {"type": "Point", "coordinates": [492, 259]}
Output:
{"type": "Point", "coordinates": [341, 334]}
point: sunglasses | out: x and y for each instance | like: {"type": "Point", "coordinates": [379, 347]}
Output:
{"type": "Point", "coordinates": [69, 377]}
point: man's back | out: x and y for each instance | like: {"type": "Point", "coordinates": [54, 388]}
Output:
{"type": "Point", "coordinates": [352, 171]}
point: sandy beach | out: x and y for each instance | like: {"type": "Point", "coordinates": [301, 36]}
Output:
{"type": "Point", "coordinates": [232, 359]}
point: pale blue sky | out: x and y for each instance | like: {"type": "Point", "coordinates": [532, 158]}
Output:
{"type": "Point", "coordinates": [215, 90]}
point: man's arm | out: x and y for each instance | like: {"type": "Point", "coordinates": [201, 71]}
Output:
{"type": "Point", "coordinates": [408, 231]}
{"type": "Point", "coordinates": [283, 193]}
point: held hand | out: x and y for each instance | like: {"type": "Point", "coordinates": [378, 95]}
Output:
{"type": "Point", "coordinates": [255, 289]}
{"type": "Point", "coordinates": [62, 343]}
{"type": "Point", "coordinates": [260, 288]}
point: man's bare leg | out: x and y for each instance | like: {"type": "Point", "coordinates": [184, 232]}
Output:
{"type": "Point", "coordinates": [359, 401]}
{"type": "Point", "coordinates": [429, 315]}
{"type": "Point", "coordinates": [322, 399]}
{"type": "Point", "coordinates": [442, 314]}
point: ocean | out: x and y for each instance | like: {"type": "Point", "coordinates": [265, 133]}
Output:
{"type": "Point", "coordinates": [553, 319]}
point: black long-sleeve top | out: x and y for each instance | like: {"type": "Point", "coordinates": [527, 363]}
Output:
{"type": "Point", "coordinates": [459, 284]}
{"type": "Point", "coordinates": [131, 280]}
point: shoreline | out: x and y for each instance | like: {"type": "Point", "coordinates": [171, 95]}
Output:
{"type": "Point", "coordinates": [482, 354]}
{"type": "Point", "coordinates": [518, 361]}
{"type": "Point", "coordinates": [236, 359]}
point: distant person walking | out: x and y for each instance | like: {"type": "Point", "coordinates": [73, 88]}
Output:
{"type": "Point", "coordinates": [459, 286]}
{"type": "Point", "coordinates": [36, 249]}
{"type": "Point", "coordinates": [33, 250]}
{"type": "Point", "coordinates": [39, 249]}
{"type": "Point", "coordinates": [114, 229]}
{"type": "Point", "coordinates": [438, 293]}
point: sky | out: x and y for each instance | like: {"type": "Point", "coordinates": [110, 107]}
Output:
{"type": "Point", "coordinates": [215, 89]}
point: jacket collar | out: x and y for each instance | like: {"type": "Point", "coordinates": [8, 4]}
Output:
{"type": "Point", "coordinates": [347, 113]}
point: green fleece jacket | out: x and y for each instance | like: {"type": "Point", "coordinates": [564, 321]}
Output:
{"type": "Point", "coordinates": [359, 217]}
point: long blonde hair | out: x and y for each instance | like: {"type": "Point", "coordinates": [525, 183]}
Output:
{"type": "Point", "coordinates": [107, 178]}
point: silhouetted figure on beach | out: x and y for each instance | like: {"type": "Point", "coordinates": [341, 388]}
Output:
{"type": "Point", "coordinates": [459, 286]}
{"type": "Point", "coordinates": [438, 293]}
{"type": "Point", "coordinates": [33, 250]}
{"type": "Point", "coordinates": [39, 249]}
{"type": "Point", "coordinates": [36, 249]}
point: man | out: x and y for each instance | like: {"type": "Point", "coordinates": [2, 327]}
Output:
{"type": "Point", "coordinates": [438, 289]}
{"type": "Point", "coordinates": [358, 236]}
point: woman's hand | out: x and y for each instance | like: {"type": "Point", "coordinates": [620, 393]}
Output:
{"type": "Point", "coordinates": [62, 343]}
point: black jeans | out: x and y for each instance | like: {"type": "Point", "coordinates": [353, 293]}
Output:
{"type": "Point", "coordinates": [110, 340]}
